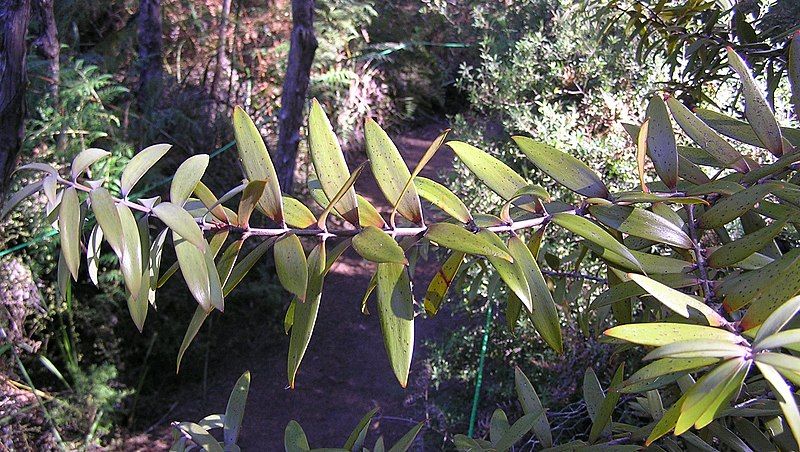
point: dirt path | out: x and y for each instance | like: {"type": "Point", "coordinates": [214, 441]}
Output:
{"type": "Point", "coordinates": [345, 372]}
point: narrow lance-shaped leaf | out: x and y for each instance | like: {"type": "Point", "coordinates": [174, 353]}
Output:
{"type": "Point", "coordinates": [186, 178]}
{"type": "Point", "coordinates": [530, 405]}
{"type": "Point", "coordinates": [641, 223]}
{"type": "Point", "coordinates": [23, 193]}
{"type": "Point", "coordinates": [329, 162]}
{"type": "Point", "coordinates": [495, 174]}
{"type": "Point", "coordinates": [512, 273]}
{"type": "Point", "coordinates": [606, 408]}
{"type": "Point", "coordinates": [391, 173]}
{"type": "Point", "coordinates": [246, 264]}
{"type": "Point", "coordinates": [250, 197]}
{"type": "Point", "coordinates": [778, 319]}
{"type": "Point", "coordinates": [334, 201]}
{"type": "Point", "coordinates": [139, 165]}
{"type": "Point", "coordinates": [661, 146]}
{"type": "Point", "coordinates": [658, 334]}
{"type": "Point", "coordinates": [731, 207]}
{"type": "Point", "coordinates": [257, 163]}
{"type": "Point", "coordinates": [107, 217]}
{"type": "Point", "coordinates": [756, 109]}
{"type": "Point", "coordinates": [200, 273]}
{"type": "Point", "coordinates": [356, 439]}
{"type": "Point", "coordinates": [785, 397]}
{"type": "Point", "coordinates": [85, 159]}
{"type": "Point", "coordinates": [435, 145]}
{"type": "Point", "coordinates": [542, 309]}
{"type": "Point", "coordinates": [706, 137]}
{"type": "Point", "coordinates": [305, 314]}
{"type": "Point", "coordinates": [457, 238]}
{"type": "Point", "coordinates": [698, 348]}
{"type": "Point", "coordinates": [709, 393]}
{"type": "Point", "coordinates": [294, 438]}
{"type": "Point", "coordinates": [376, 245]}
{"type": "Point", "coordinates": [201, 436]}
{"type": "Point", "coordinates": [234, 412]}
{"type": "Point", "coordinates": [291, 265]}
{"type": "Point", "coordinates": [132, 266]}
{"type": "Point", "coordinates": [736, 251]}
{"type": "Point", "coordinates": [595, 234]}
{"type": "Point", "coordinates": [210, 201]}
{"type": "Point", "coordinates": [69, 226]}
{"type": "Point", "coordinates": [437, 289]}
{"type": "Point", "coordinates": [564, 168]}
{"type": "Point", "coordinates": [93, 252]}
{"type": "Point", "coordinates": [441, 197]}
{"type": "Point", "coordinates": [677, 301]}
{"type": "Point", "coordinates": [396, 312]}
{"type": "Point", "coordinates": [182, 223]}
{"type": "Point", "coordinates": [641, 152]}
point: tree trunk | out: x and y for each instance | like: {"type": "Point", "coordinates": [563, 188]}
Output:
{"type": "Point", "coordinates": [295, 86]}
{"type": "Point", "coordinates": [47, 45]}
{"type": "Point", "coordinates": [15, 16]}
{"type": "Point", "coordinates": [149, 34]}
{"type": "Point", "coordinates": [221, 56]}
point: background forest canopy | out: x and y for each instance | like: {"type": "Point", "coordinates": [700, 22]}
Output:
{"type": "Point", "coordinates": [122, 75]}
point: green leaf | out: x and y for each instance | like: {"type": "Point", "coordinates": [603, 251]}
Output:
{"type": "Point", "coordinates": [641, 151]}
{"type": "Point", "coordinates": [227, 261]}
{"type": "Point", "coordinates": [495, 174]}
{"type": "Point", "coordinates": [295, 438]}
{"type": "Point", "coordinates": [738, 250]}
{"type": "Point", "coordinates": [542, 309]}
{"type": "Point", "coordinates": [593, 394]}
{"type": "Point", "coordinates": [531, 405]}
{"type": "Point", "coordinates": [677, 301]}
{"type": "Point", "coordinates": [590, 231]}
{"type": "Point", "coordinates": [182, 223]}
{"type": "Point", "coordinates": [668, 198]}
{"type": "Point", "coordinates": [131, 264]}
{"type": "Point", "coordinates": [329, 163]}
{"type": "Point", "coordinates": [756, 109]}
{"type": "Point", "coordinates": [429, 153]}
{"type": "Point", "coordinates": [785, 397]}
{"type": "Point", "coordinates": [441, 197]}
{"type": "Point", "coordinates": [368, 215]}
{"type": "Point", "coordinates": [437, 289]}
{"type": "Point", "coordinates": [355, 442]}
{"type": "Point", "coordinates": [787, 365]}
{"type": "Point", "coordinates": [69, 226]}
{"type": "Point", "coordinates": [210, 201]}
{"type": "Point", "coordinates": [85, 159]}
{"type": "Point", "coordinates": [650, 263]}
{"type": "Point", "coordinates": [257, 163]}
{"type": "Point", "coordinates": [667, 366]}
{"type": "Point", "coordinates": [661, 146]}
{"type": "Point", "coordinates": [198, 318]}
{"type": "Point", "coordinates": [139, 165]}
{"type": "Point", "coordinates": [246, 264]}
{"type": "Point", "coordinates": [404, 443]}
{"type": "Point", "coordinates": [200, 273]}
{"type": "Point", "coordinates": [641, 223]}
{"type": "Point", "coordinates": [457, 238]}
{"type": "Point", "coordinates": [778, 319]}
{"type": "Point", "coordinates": [17, 197]}
{"type": "Point", "coordinates": [498, 425]}
{"type": "Point", "coordinates": [200, 436]}
{"type": "Point", "coordinates": [334, 201]}
{"type": "Point", "coordinates": [234, 412]}
{"type": "Point", "coordinates": [667, 422]}
{"type": "Point", "coordinates": [376, 245]}
{"type": "Point", "coordinates": [603, 417]}
{"type": "Point", "coordinates": [396, 311]}
{"type": "Point", "coordinates": [517, 431]}
{"type": "Point", "coordinates": [706, 137]}
{"type": "Point", "coordinates": [305, 314]}
{"type": "Point", "coordinates": [711, 394]}
{"type": "Point", "coordinates": [740, 290]}
{"type": "Point", "coordinates": [770, 297]}
{"type": "Point", "coordinates": [186, 178]}
{"type": "Point", "coordinates": [698, 348]}
{"type": "Point", "coordinates": [658, 334]}
{"type": "Point", "coordinates": [288, 319]}
{"type": "Point", "coordinates": [731, 207]}
{"type": "Point", "coordinates": [291, 265]}
{"type": "Point", "coordinates": [154, 268]}
{"type": "Point", "coordinates": [296, 214]}
{"type": "Point", "coordinates": [564, 168]}
{"type": "Point", "coordinates": [93, 252]}
{"type": "Point", "coordinates": [511, 273]}
{"type": "Point", "coordinates": [391, 173]}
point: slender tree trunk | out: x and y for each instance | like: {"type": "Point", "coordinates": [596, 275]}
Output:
{"type": "Point", "coordinates": [149, 34]}
{"type": "Point", "coordinates": [47, 45]}
{"type": "Point", "coordinates": [221, 47]}
{"type": "Point", "coordinates": [15, 16]}
{"type": "Point", "coordinates": [295, 86]}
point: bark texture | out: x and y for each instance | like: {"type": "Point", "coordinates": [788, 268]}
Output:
{"type": "Point", "coordinates": [15, 17]}
{"type": "Point", "coordinates": [295, 87]}
{"type": "Point", "coordinates": [221, 47]}
{"type": "Point", "coordinates": [149, 34]}
{"type": "Point", "coordinates": [47, 45]}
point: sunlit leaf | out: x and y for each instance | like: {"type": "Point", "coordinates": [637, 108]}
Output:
{"type": "Point", "coordinates": [698, 348]}
{"type": "Point", "coordinates": [641, 223]}
{"type": "Point", "coordinates": [650, 263]}
{"type": "Point", "coordinates": [235, 409]}
{"type": "Point", "coordinates": [778, 319]}
{"type": "Point", "coordinates": [376, 245]}
{"type": "Point", "coordinates": [437, 289]}
{"type": "Point", "coordinates": [291, 265]}
{"type": "Point", "coordinates": [441, 197]}
{"type": "Point", "coordinates": [641, 152]}
{"type": "Point", "coordinates": [677, 301]}
{"type": "Point", "coordinates": [661, 146]}
{"type": "Point", "coordinates": [396, 311]}
{"type": "Point", "coordinates": [564, 168]}
{"type": "Point", "coordinates": [257, 163]}
{"type": "Point", "coordinates": [305, 314]}
{"type": "Point", "coordinates": [731, 207]}
{"type": "Point", "coordinates": [770, 296]}
{"type": "Point", "coordinates": [329, 162]}
{"type": "Point", "coordinates": [186, 178]}
{"type": "Point", "coordinates": [667, 366]}
{"type": "Point", "coordinates": [200, 436]}
{"type": "Point", "coordinates": [658, 334]}
{"type": "Point", "coordinates": [139, 165]}
{"type": "Point", "coordinates": [785, 397]}
{"type": "Point", "coordinates": [590, 231]}
{"type": "Point", "coordinates": [457, 238]}
{"type": "Point", "coordinates": [69, 226]}
{"type": "Point", "coordinates": [199, 272]}
{"type": "Point", "coordinates": [85, 159]}
{"type": "Point", "coordinates": [391, 172]}
{"type": "Point", "coordinates": [131, 263]}
{"type": "Point", "coordinates": [495, 174]}
{"type": "Point", "coordinates": [93, 252]}
{"type": "Point", "coordinates": [294, 438]}
{"type": "Point", "coordinates": [296, 214]}
{"type": "Point", "coordinates": [429, 153]}
{"type": "Point", "coordinates": [512, 273]}
{"type": "Point", "coordinates": [335, 199]}
{"type": "Point", "coordinates": [250, 197]}
{"type": "Point", "coordinates": [738, 250]}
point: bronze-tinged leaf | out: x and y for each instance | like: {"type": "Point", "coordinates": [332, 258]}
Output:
{"type": "Point", "coordinates": [437, 289]}
{"type": "Point", "coordinates": [441, 197]}
{"type": "Point", "coordinates": [305, 314]}
{"type": "Point", "coordinates": [429, 153]}
{"type": "Point", "coordinates": [250, 197]}
{"type": "Point", "coordinates": [641, 223]}
{"type": "Point", "coordinates": [756, 109]}
{"type": "Point", "coordinates": [257, 163]}
{"type": "Point", "coordinates": [661, 146]}
{"type": "Point", "coordinates": [186, 178]}
{"type": "Point", "coordinates": [376, 245]}
{"type": "Point", "coordinates": [706, 137]}
{"type": "Point", "coordinates": [396, 312]}
{"type": "Point", "coordinates": [139, 165]}
{"type": "Point", "coordinates": [329, 162]}
{"type": "Point", "coordinates": [495, 174]}
{"type": "Point", "coordinates": [736, 251]}
{"type": "Point", "coordinates": [391, 173]}
{"type": "Point", "coordinates": [457, 238]}
{"type": "Point", "coordinates": [562, 167]}
{"type": "Point", "coordinates": [291, 265]}
{"type": "Point", "coordinates": [85, 159]}
{"type": "Point", "coordinates": [182, 223]}
{"type": "Point", "coordinates": [69, 226]}
{"type": "Point", "coordinates": [210, 201]}
{"type": "Point", "coordinates": [334, 201]}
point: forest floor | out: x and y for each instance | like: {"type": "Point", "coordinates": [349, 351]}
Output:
{"type": "Point", "coordinates": [345, 372]}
